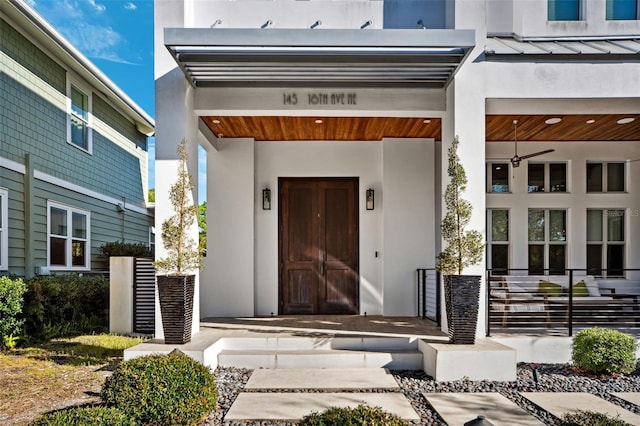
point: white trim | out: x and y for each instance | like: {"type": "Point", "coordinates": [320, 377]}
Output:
{"type": "Point", "coordinates": [12, 165]}
{"type": "Point", "coordinates": [4, 230]}
{"type": "Point", "coordinates": [69, 238]}
{"type": "Point", "coordinates": [84, 191]}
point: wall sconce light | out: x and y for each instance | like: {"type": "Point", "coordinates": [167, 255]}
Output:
{"type": "Point", "coordinates": [370, 199]}
{"type": "Point", "coordinates": [266, 199]}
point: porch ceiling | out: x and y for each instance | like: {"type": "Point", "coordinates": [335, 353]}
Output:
{"type": "Point", "coordinates": [498, 128]}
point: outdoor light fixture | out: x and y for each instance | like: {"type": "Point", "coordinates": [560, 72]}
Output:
{"type": "Point", "coordinates": [266, 199]}
{"type": "Point", "coordinates": [370, 199]}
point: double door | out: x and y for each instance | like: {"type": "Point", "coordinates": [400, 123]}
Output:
{"type": "Point", "coordinates": [318, 246]}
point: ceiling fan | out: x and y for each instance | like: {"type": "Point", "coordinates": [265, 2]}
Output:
{"type": "Point", "coordinates": [516, 159]}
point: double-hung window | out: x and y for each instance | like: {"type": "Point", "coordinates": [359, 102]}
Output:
{"type": "Point", "coordinates": [623, 10]}
{"type": "Point", "coordinates": [79, 132]}
{"type": "Point", "coordinates": [547, 177]}
{"type": "Point", "coordinates": [68, 237]}
{"type": "Point", "coordinates": [498, 177]}
{"type": "Point", "coordinates": [498, 241]}
{"type": "Point", "coordinates": [605, 242]}
{"type": "Point", "coordinates": [4, 229]}
{"type": "Point", "coordinates": [547, 241]}
{"type": "Point", "coordinates": [606, 177]}
{"type": "Point", "coordinates": [564, 10]}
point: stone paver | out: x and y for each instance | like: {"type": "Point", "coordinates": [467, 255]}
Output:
{"type": "Point", "coordinates": [328, 378]}
{"type": "Point", "coordinates": [632, 397]}
{"type": "Point", "coordinates": [294, 406]}
{"type": "Point", "coordinates": [458, 408]}
{"type": "Point", "coordinates": [561, 403]}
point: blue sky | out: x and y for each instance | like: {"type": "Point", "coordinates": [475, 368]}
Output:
{"type": "Point", "coordinates": [117, 36]}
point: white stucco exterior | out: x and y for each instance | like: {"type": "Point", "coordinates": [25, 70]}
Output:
{"type": "Point", "coordinates": [240, 275]}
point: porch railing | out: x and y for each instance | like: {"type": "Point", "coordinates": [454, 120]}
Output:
{"type": "Point", "coordinates": [522, 302]}
{"type": "Point", "coordinates": [428, 294]}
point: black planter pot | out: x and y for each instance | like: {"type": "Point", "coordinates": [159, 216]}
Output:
{"type": "Point", "coordinates": [176, 307]}
{"type": "Point", "coordinates": [461, 298]}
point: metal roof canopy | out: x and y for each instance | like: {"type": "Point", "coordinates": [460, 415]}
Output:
{"type": "Point", "coordinates": [224, 57]}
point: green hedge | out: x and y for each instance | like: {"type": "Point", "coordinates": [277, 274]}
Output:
{"type": "Point", "coordinates": [65, 305]}
{"type": "Point", "coordinates": [162, 390]}
{"type": "Point", "coordinates": [85, 416]}
{"type": "Point", "coordinates": [11, 301]}
{"type": "Point", "coordinates": [604, 351]}
{"type": "Point", "coordinates": [362, 415]}
{"type": "Point", "coordinates": [591, 418]}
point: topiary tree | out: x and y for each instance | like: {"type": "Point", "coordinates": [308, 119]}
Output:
{"type": "Point", "coordinates": [11, 302]}
{"type": "Point", "coordinates": [162, 390]}
{"type": "Point", "coordinates": [604, 351]}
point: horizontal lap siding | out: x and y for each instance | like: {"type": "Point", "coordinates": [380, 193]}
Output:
{"type": "Point", "coordinates": [14, 183]}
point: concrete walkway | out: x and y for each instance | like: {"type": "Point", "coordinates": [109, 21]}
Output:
{"type": "Point", "coordinates": [284, 394]}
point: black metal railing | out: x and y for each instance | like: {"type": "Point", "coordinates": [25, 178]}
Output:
{"type": "Point", "coordinates": [428, 294]}
{"type": "Point", "coordinates": [552, 303]}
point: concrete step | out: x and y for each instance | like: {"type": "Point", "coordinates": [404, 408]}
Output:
{"type": "Point", "coordinates": [356, 343]}
{"type": "Point", "coordinates": [325, 379]}
{"type": "Point", "coordinates": [321, 358]}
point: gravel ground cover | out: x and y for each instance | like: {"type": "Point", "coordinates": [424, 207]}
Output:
{"type": "Point", "coordinates": [550, 378]}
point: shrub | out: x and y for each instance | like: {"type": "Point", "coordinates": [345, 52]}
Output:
{"type": "Point", "coordinates": [604, 351]}
{"type": "Point", "coordinates": [362, 415]}
{"type": "Point", "coordinates": [11, 302]}
{"type": "Point", "coordinates": [65, 305]}
{"type": "Point", "coordinates": [120, 248]}
{"type": "Point", "coordinates": [162, 389]}
{"type": "Point", "coordinates": [85, 416]}
{"type": "Point", "coordinates": [590, 418]}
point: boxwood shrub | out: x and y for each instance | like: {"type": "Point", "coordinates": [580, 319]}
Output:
{"type": "Point", "coordinates": [162, 389]}
{"type": "Point", "coordinates": [362, 415]}
{"type": "Point", "coordinates": [604, 351]}
{"type": "Point", "coordinates": [85, 416]}
{"type": "Point", "coordinates": [11, 300]}
{"type": "Point", "coordinates": [591, 418]}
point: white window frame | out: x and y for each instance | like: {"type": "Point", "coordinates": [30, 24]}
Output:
{"type": "Point", "coordinates": [547, 177]}
{"type": "Point", "coordinates": [605, 241]}
{"type": "Point", "coordinates": [605, 177]}
{"type": "Point", "coordinates": [547, 242]}
{"type": "Point", "coordinates": [89, 121]}
{"type": "Point", "coordinates": [4, 230]}
{"type": "Point", "coordinates": [491, 243]}
{"type": "Point", "coordinates": [69, 238]}
{"type": "Point", "coordinates": [490, 177]}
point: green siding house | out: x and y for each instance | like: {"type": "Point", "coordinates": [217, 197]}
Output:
{"type": "Point", "coordinates": [73, 153]}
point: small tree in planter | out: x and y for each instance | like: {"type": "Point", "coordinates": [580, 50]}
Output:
{"type": "Point", "coordinates": [176, 287]}
{"type": "Point", "coordinates": [463, 249]}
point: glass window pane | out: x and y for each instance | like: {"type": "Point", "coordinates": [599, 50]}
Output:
{"type": "Point", "coordinates": [58, 220]}
{"type": "Point", "coordinates": [622, 9]}
{"type": "Point", "coordinates": [557, 259]}
{"type": "Point", "coordinates": [615, 225]}
{"type": "Point", "coordinates": [557, 225]}
{"type": "Point", "coordinates": [594, 177]}
{"type": "Point", "coordinates": [615, 177]}
{"type": "Point", "coordinates": [500, 177]}
{"type": "Point", "coordinates": [594, 259]}
{"type": "Point", "coordinates": [536, 225]}
{"type": "Point", "coordinates": [615, 260]}
{"type": "Point", "coordinates": [594, 225]}
{"type": "Point", "coordinates": [499, 258]}
{"type": "Point", "coordinates": [536, 177]}
{"type": "Point", "coordinates": [79, 103]}
{"type": "Point", "coordinates": [78, 253]}
{"type": "Point", "coordinates": [499, 225]}
{"type": "Point", "coordinates": [79, 225]}
{"type": "Point", "coordinates": [558, 177]}
{"type": "Point", "coordinates": [79, 132]}
{"type": "Point", "coordinates": [57, 251]}
{"type": "Point", "coordinates": [536, 260]}
{"type": "Point", "coordinates": [563, 10]}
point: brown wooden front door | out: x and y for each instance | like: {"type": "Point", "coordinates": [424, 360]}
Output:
{"type": "Point", "coordinates": [318, 246]}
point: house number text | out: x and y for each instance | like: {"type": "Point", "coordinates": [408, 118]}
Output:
{"type": "Point", "coordinates": [341, 98]}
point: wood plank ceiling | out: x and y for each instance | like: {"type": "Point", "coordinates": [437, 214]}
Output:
{"type": "Point", "coordinates": [498, 128]}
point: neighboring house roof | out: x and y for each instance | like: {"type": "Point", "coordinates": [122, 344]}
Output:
{"type": "Point", "coordinates": [38, 28]}
{"type": "Point", "coordinates": [577, 49]}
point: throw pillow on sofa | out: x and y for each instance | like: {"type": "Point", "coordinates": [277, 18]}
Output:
{"type": "Point", "coordinates": [549, 288]}
{"type": "Point", "coordinates": [580, 289]}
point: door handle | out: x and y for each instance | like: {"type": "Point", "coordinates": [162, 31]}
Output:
{"type": "Point", "coordinates": [321, 263]}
